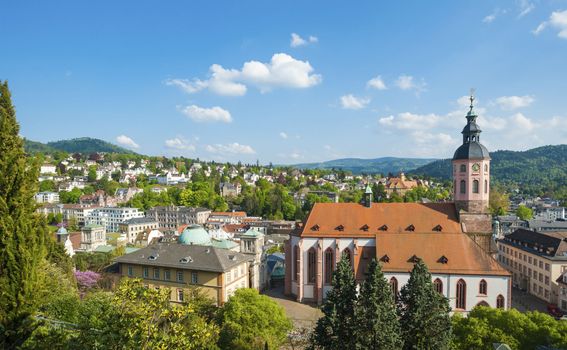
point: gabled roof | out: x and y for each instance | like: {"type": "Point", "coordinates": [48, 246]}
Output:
{"type": "Point", "coordinates": [550, 244]}
{"type": "Point", "coordinates": [461, 254]}
{"type": "Point", "coordinates": [397, 217]}
{"type": "Point", "coordinates": [200, 258]}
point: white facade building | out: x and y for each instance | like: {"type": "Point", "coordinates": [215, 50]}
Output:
{"type": "Point", "coordinates": [47, 197]}
{"type": "Point", "coordinates": [111, 217]}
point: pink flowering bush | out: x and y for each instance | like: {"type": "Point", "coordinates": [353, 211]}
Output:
{"type": "Point", "coordinates": [87, 279]}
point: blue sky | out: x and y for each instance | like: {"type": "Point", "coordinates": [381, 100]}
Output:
{"type": "Point", "coordinates": [287, 82]}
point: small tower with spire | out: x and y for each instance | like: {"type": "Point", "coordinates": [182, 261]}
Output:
{"type": "Point", "coordinates": [471, 182]}
{"type": "Point", "coordinates": [368, 196]}
{"type": "Point", "coordinates": [471, 168]}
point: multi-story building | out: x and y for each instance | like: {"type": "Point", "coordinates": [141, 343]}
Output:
{"type": "Point", "coordinates": [228, 189]}
{"type": "Point", "coordinates": [218, 219]}
{"type": "Point", "coordinates": [536, 260]}
{"type": "Point", "coordinates": [562, 282]}
{"type": "Point", "coordinates": [69, 211]}
{"type": "Point", "coordinates": [134, 226]}
{"type": "Point", "coordinates": [452, 239]}
{"type": "Point", "coordinates": [112, 217]}
{"type": "Point", "coordinates": [218, 273]}
{"type": "Point", "coordinates": [547, 225]}
{"type": "Point", "coordinates": [47, 197]}
{"type": "Point", "coordinates": [171, 217]}
{"type": "Point", "coordinates": [48, 169]}
{"type": "Point", "coordinates": [92, 237]}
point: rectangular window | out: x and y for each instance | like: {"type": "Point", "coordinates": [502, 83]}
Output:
{"type": "Point", "coordinates": [535, 274]}
{"type": "Point", "coordinates": [529, 259]}
{"type": "Point", "coordinates": [546, 267]}
{"type": "Point", "coordinates": [146, 272]}
{"type": "Point", "coordinates": [541, 264]}
{"type": "Point", "coordinates": [167, 275]}
{"type": "Point", "coordinates": [540, 277]}
{"type": "Point", "coordinates": [547, 280]}
{"type": "Point", "coordinates": [228, 277]}
{"type": "Point", "coordinates": [130, 272]}
{"type": "Point", "coordinates": [194, 277]}
{"type": "Point", "coordinates": [180, 295]}
{"type": "Point", "coordinates": [156, 273]}
{"type": "Point", "coordinates": [521, 256]}
{"type": "Point", "coordinates": [547, 293]}
{"type": "Point", "coordinates": [179, 276]}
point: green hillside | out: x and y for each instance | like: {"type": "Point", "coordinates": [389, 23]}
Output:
{"type": "Point", "coordinates": [537, 171]}
{"type": "Point", "coordinates": [383, 165]}
{"type": "Point", "coordinates": [77, 145]}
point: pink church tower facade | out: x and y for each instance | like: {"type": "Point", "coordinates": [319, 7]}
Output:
{"type": "Point", "coordinates": [471, 182]}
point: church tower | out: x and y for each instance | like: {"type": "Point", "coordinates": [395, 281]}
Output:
{"type": "Point", "coordinates": [471, 169]}
{"type": "Point", "coordinates": [471, 182]}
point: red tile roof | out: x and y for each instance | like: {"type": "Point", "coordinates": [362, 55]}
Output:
{"type": "Point", "coordinates": [463, 255]}
{"type": "Point", "coordinates": [325, 219]}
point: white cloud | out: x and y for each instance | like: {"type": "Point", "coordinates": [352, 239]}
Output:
{"type": "Point", "coordinates": [297, 40]}
{"type": "Point", "coordinates": [525, 8]}
{"type": "Point", "coordinates": [411, 121]}
{"type": "Point", "coordinates": [201, 114]}
{"type": "Point", "coordinates": [407, 82]}
{"type": "Point", "coordinates": [179, 144]}
{"type": "Point", "coordinates": [126, 141]}
{"type": "Point", "coordinates": [514, 102]}
{"type": "Point", "coordinates": [557, 20]}
{"type": "Point", "coordinates": [231, 148]}
{"type": "Point", "coordinates": [490, 18]}
{"type": "Point", "coordinates": [522, 122]}
{"type": "Point", "coordinates": [283, 135]}
{"type": "Point", "coordinates": [351, 102]}
{"type": "Point", "coordinates": [282, 71]}
{"type": "Point", "coordinates": [376, 83]}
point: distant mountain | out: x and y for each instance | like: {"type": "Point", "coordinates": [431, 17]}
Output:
{"type": "Point", "coordinates": [78, 145]}
{"type": "Point", "coordinates": [383, 165]}
{"type": "Point", "coordinates": [542, 169]}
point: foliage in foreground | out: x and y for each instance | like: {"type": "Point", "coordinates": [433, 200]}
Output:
{"type": "Point", "coordinates": [252, 321]}
{"type": "Point", "coordinates": [485, 326]}
{"type": "Point", "coordinates": [369, 321]}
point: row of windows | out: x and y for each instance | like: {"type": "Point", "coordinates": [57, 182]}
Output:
{"type": "Point", "coordinates": [475, 187]}
{"type": "Point", "coordinates": [234, 273]}
{"type": "Point", "coordinates": [461, 292]}
{"type": "Point", "coordinates": [312, 264]}
{"type": "Point", "coordinates": [156, 273]}
{"type": "Point", "coordinates": [525, 257]}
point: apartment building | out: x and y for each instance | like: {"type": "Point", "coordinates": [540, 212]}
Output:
{"type": "Point", "coordinates": [171, 217]}
{"type": "Point", "coordinates": [536, 260]}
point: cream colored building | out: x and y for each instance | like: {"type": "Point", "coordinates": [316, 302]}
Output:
{"type": "Point", "coordinates": [218, 273]}
{"type": "Point", "coordinates": [536, 260]}
{"type": "Point", "coordinates": [562, 281]}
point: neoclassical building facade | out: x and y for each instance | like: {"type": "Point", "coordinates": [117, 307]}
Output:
{"type": "Point", "coordinates": [453, 239]}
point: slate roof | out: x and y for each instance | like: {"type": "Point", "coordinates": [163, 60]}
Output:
{"type": "Point", "coordinates": [471, 150]}
{"type": "Point", "coordinates": [138, 221]}
{"type": "Point", "coordinates": [462, 255]}
{"type": "Point", "coordinates": [356, 220]}
{"type": "Point", "coordinates": [202, 258]}
{"type": "Point", "coordinates": [552, 245]}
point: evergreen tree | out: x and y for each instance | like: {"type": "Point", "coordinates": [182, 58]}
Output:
{"type": "Point", "coordinates": [337, 327]}
{"type": "Point", "coordinates": [378, 325]}
{"type": "Point", "coordinates": [22, 232]}
{"type": "Point", "coordinates": [424, 313]}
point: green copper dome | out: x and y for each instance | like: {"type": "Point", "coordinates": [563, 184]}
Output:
{"type": "Point", "coordinates": [196, 235]}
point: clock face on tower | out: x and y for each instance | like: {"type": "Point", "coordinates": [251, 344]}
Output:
{"type": "Point", "coordinates": [476, 167]}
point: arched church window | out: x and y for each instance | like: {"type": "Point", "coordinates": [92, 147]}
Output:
{"type": "Point", "coordinates": [485, 186]}
{"type": "Point", "coordinates": [486, 167]}
{"type": "Point", "coordinates": [329, 265]}
{"type": "Point", "coordinates": [463, 186]}
{"type": "Point", "coordinates": [311, 265]}
{"type": "Point", "coordinates": [475, 186]}
{"type": "Point", "coordinates": [500, 301]}
{"type": "Point", "coordinates": [394, 286]}
{"type": "Point", "coordinates": [438, 286]}
{"type": "Point", "coordinates": [482, 287]}
{"type": "Point", "coordinates": [463, 168]}
{"type": "Point", "coordinates": [461, 300]}
{"type": "Point", "coordinates": [296, 262]}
